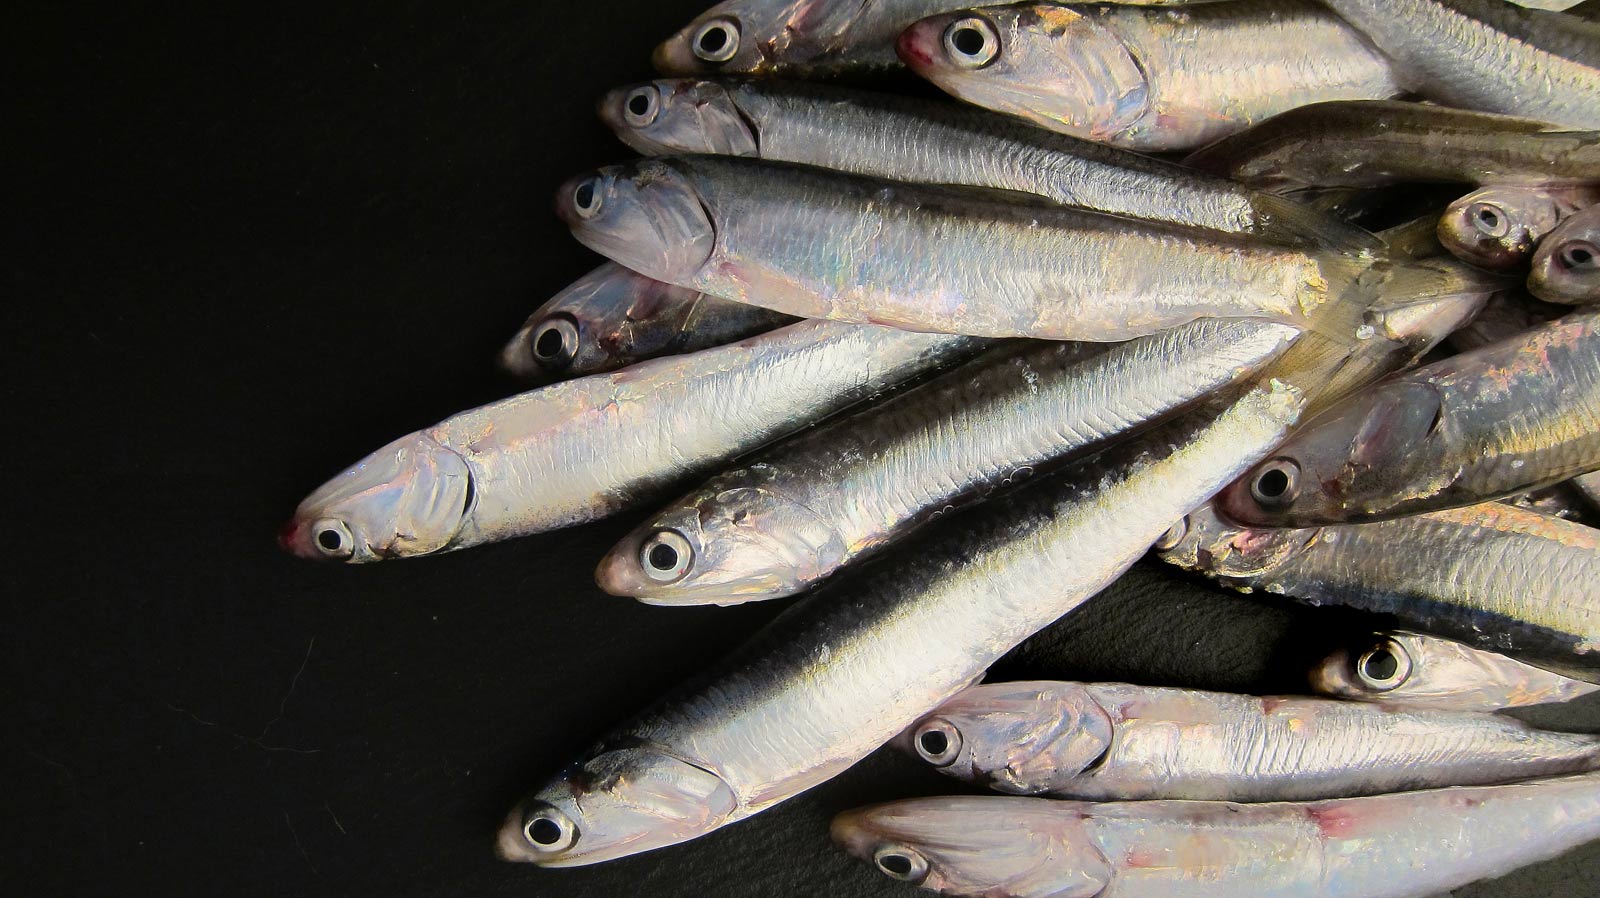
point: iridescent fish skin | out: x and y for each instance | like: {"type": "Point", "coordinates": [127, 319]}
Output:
{"type": "Point", "coordinates": [1119, 742]}
{"type": "Point", "coordinates": [1491, 576]}
{"type": "Point", "coordinates": [792, 516]}
{"type": "Point", "coordinates": [1413, 670]}
{"type": "Point", "coordinates": [844, 671]}
{"type": "Point", "coordinates": [1489, 55]}
{"type": "Point", "coordinates": [1144, 78]}
{"type": "Point", "coordinates": [1498, 227]}
{"type": "Point", "coordinates": [1566, 267]}
{"type": "Point", "coordinates": [1374, 143]}
{"type": "Point", "coordinates": [582, 449]}
{"type": "Point", "coordinates": [612, 318]}
{"type": "Point", "coordinates": [1408, 845]}
{"type": "Point", "coordinates": [1503, 419]}
{"type": "Point", "coordinates": [936, 142]}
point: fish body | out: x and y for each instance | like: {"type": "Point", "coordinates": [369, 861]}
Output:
{"type": "Point", "coordinates": [1499, 227]}
{"type": "Point", "coordinates": [1566, 266]}
{"type": "Point", "coordinates": [1413, 670]}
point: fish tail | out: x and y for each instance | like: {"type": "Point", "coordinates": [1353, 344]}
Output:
{"type": "Point", "coordinates": [1290, 221]}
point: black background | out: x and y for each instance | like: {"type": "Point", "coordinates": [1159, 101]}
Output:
{"type": "Point", "coordinates": [247, 246]}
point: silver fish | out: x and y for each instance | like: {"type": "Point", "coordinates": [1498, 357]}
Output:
{"type": "Point", "coordinates": [1148, 79]}
{"type": "Point", "coordinates": [1418, 671]}
{"type": "Point", "coordinates": [929, 141]}
{"type": "Point", "coordinates": [792, 516]}
{"type": "Point", "coordinates": [1117, 742]}
{"type": "Point", "coordinates": [1489, 55]}
{"type": "Point", "coordinates": [582, 449]}
{"type": "Point", "coordinates": [842, 672]}
{"type": "Point", "coordinates": [1495, 577]}
{"type": "Point", "coordinates": [1498, 227]}
{"type": "Point", "coordinates": [1566, 266]}
{"type": "Point", "coordinates": [1409, 845]}
{"type": "Point", "coordinates": [612, 318]}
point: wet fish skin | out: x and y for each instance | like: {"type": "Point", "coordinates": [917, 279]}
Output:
{"type": "Point", "coordinates": [1407, 845]}
{"type": "Point", "coordinates": [1566, 266]}
{"type": "Point", "coordinates": [612, 318]}
{"type": "Point", "coordinates": [1489, 55]}
{"type": "Point", "coordinates": [1509, 417]}
{"type": "Point", "coordinates": [1494, 577]}
{"type": "Point", "coordinates": [1120, 742]}
{"type": "Point", "coordinates": [1374, 143]}
{"type": "Point", "coordinates": [582, 449]}
{"type": "Point", "coordinates": [1147, 79]}
{"type": "Point", "coordinates": [842, 672]}
{"type": "Point", "coordinates": [1413, 670]}
{"type": "Point", "coordinates": [1498, 227]}
{"type": "Point", "coordinates": [792, 516]}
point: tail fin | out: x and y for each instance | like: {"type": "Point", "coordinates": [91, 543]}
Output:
{"type": "Point", "coordinates": [1284, 220]}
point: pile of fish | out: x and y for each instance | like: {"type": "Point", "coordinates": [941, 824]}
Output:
{"type": "Point", "coordinates": [842, 326]}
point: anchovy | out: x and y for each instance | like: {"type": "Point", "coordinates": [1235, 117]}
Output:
{"type": "Point", "coordinates": [612, 318]}
{"type": "Point", "coordinates": [1116, 742]}
{"type": "Point", "coordinates": [792, 516]}
{"type": "Point", "coordinates": [1566, 266]}
{"type": "Point", "coordinates": [1417, 671]}
{"type": "Point", "coordinates": [582, 449]}
{"type": "Point", "coordinates": [1374, 143]}
{"type": "Point", "coordinates": [1148, 79]}
{"type": "Point", "coordinates": [1409, 845]}
{"type": "Point", "coordinates": [1489, 55]}
{"type": "Point", "coordinates": [842, 672]}
{"type": "Point", "coordinates": [1498, 227]}
{"type": "Point", "coordinates": [1495, 577]}
{"type": "Point", "coordinates": [928, 141]}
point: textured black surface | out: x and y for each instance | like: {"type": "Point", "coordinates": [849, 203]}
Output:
{"type": "Point", "coordinates": [254, 245]}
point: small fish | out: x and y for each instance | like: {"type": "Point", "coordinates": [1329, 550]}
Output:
{"type": "Point", "coordinates": [1408, 845]}
{"type": "Point", "coordinates": [1498, 227]}
{"type": "Point", "coordinates": [1147, 79]}
{"type": "Point", "coordinates": [1117, 742]}
{"type": "Point", "coordinates": [1566, 266]}
{"type": "Point", "coordinates": [612, 318]}
{"type": "Point", "coordinates": [1418, 671]}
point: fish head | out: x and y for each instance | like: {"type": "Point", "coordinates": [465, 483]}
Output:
{"type": "Point", "coordinates": [1016, 847]}
{"type": "Point", "coordinates": [620, 802]}
{"type": "Point", "coordinates": [1566, 266]}
{"type": "Point", "coordinates": [1350, 464]}
{"type": "Point", "coordinates": [737, 541]}
{"type": "Point", "coordinates": [679, 115]}
{"type": "Point", "coordinates": [647, 216]}
{"type": "Point", "coordinates": [1021, 738]}
{"type": "Point", "coordinates": [1042, 62]}
{"type": "Point", "coordinates": [1366, 669]}
{"type": "Point", "coordinates": [1497, 227]}
{"type": "Point", "coordinates": [600, 322]}
{"type": "Point", "coordinates": [733, 36]}
{"type": "Point", "coordinates": [408, 498]}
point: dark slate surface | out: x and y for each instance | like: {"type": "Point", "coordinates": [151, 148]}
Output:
{"type": "Point", "coordinates": [254, 245]}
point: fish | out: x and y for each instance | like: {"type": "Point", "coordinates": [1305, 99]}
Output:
{"type": "Point", "coordinates": [1566, 266]}
{"type": "Point", "coordinates": [1376, 143]}
{"type": "Point", "coordinates": [870, 133]}
{"type": "Point", "coordinates": [844, 670]}
{"type": "Point", "coordinates": [612, 318]}
{"type": "Point", "coordinates": [1120, 742]}
{"type": "Point", "coordinates": [583, 449]}
{"type": "Point", "coordinates": [1505, 315]}
{"type": "Point", "coordinates": [790, 517]}
{"type": "Point", "coordinates": [851, 39]}
{"type": "Point", "coordinates": [1406, 845]}
{"type": "Point", "coordinates": [1414, 670]}
{"type": "Point", "coordinates": [1488, 55]}
{"type": "Point", "coordinates": [821, 244]}
{"type": "Point", "coordinates": [1494, 577]}
{"type": "Point", "coordinates": [1498, 227]}
{"type": "Point", "coordinates": [1503, 419]}
{"type": "Point", "coordinates": [1154, 80]}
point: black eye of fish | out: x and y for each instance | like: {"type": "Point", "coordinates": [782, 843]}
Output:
{"type": "Point", "coordinates": [969, 41]}
{"type": "Point", "coordinates": [895, 864]}
{"type": "Point", "coordinates": [1277, 484]}
{"type": "Point", "coordinates": [639, 104]}
{"type": "Point", "coordinates": [1380, 664]}
{"type": "Point", "coordinates": [1273, 483]}
{"type": "Point", "coordinates": [584, 195]}
{"type": "Point", "coordinates": [717, 41]}
{"type": "Point", "coordinates": [1577, 255]}
{"type": "Point", "coordinates": [663, 558]}
{"type": "Point", "coordinates": [666, 556]}
{"type": "Point", "coordinates": [935, 742]}
{"type": "Point", "coordinates": [548, 344]}
{"type": "Point", "coordinates": [544, 831]}
{"type": "Point", "coordinates": [330, 540]}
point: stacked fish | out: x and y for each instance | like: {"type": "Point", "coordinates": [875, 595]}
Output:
{"type": "Point", "coordinates": [981, 297]}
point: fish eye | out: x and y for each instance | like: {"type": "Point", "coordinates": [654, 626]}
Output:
{"type": "Point", "coordinates": [642, 106]}
{"type": "Point", "coordinates": [1489, 219]}
{"type": "Point", "coordinates": [1278, 483]}
{"type": "Point", "coordinates": [716, 41]}
{"type": "Point", "coordinates": [938, 743]}
{"type": "Point", "coordinates": [333, 538]}
{"type": "Point", "coordinates": [555, 344]}
{"type": "Point", "coordinates": [666, 556]}
{"type": "Point", "coordinates": [1174, 535]}
{"type": "Point", "coordinates": [586, 198]}
{"type": "Point", "coordinates": [901, 863]}
{"type": "Point", "coordinates": [1578, 255]}
{"type": "Point", "coordinates": [1384, 667]}
{"type": "Point", "coordinates": [971, 42]}
{"type": "Point", "coordinates": [548, 830]}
